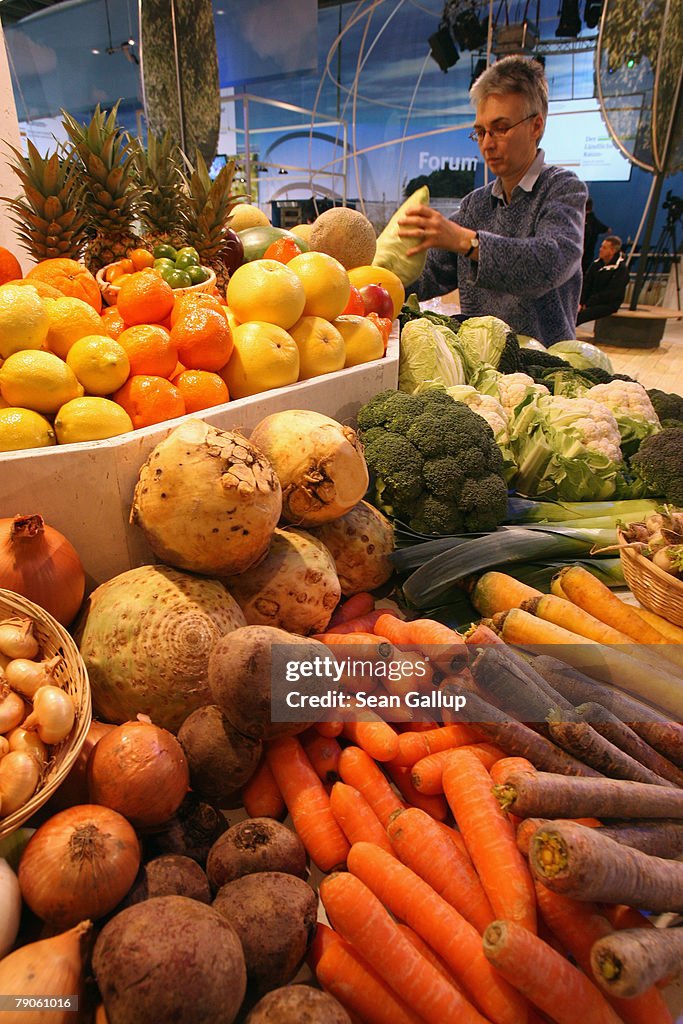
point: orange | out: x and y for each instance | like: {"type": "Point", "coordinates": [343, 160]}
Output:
{"type": "Point", "coordinates": [283, 250]}
{"type": "Point", "coordinates": [203, 339]}
{"type": "Point", "coordinates": [70, 278]}
{"type": "Point", "coordinates": [150, 349]}
{"type": "Point", "coordinates": [141, 258]}
{"type": "Point", "coordinates": [144, 297]}
{"type": "Point", "coordinates": [201, 389]}
{"type": "Point", "coordinates": [10, 268]}
{"type": "Point", "coordinates": [115, 270]}
{"type": "Point", "coordinates": [326, 283]}
{"type": "Point", "coordinates": [112, 321]}
{"type": "Point", "coordinates": [266, 291]}
{"type": "Point", "coordinates": [148, 400]}
{"type": "Point", "coordinates": [193, 300]}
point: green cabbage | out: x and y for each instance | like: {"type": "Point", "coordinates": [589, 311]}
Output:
{"type": "Point", "coordinates": [581, 355]}
{"type": "Point", "coordinates": [526, 342]}
{"type": "Point", "coordinates": [428, 353]}
{"type": "Point", "coordinates": [392, 249]}
{"type": "Point", "coordinates": [483, 340]}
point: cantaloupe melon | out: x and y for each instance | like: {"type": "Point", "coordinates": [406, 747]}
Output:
{"type": "Point", "coordinates": [345, 234]}
{"type": "Point", "coordinates": [245, 215]}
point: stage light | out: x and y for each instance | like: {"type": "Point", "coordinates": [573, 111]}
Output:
{"type": "Point", "coordinates": [442, 48]}
{"type": "Point", "coordinates": [592, 12]}
{"type": "Point", "coordinates": [570, 20]}
{"type": "Point", "coordinates": [479, 69]}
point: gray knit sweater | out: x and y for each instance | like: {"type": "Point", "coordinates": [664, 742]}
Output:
{"type": "Point", "coordinates": [529, 268]}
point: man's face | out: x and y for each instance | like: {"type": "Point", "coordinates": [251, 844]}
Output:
{"type": "Point", "coordinates": [608, 252]}
{"type": "Point", "coordinates": [510, 154]}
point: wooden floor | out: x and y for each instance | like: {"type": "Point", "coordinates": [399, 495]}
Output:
{"type": "Point", "coordinates": [660, 367]}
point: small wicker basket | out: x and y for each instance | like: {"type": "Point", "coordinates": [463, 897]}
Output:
{"type": "Point", "coordinates": [71, 676]}
{"type": "Point", "coordinates": [656, 590]}
{"type": "Point", "coordinates": [110, 290]}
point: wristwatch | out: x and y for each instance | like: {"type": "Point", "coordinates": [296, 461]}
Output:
{"type": "Point", "coordinates": [474, 246]}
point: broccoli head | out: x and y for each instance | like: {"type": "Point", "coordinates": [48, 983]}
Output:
{"type": "Point", "coordinates": [668, 407]}
{"type": "Point", "coordinates": [425, 451]}
{"type": "Point", "coordinates": [658, 464]}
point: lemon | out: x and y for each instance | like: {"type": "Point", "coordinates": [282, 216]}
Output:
{"type": "Point", "coordinates": [100, 364]}
{"type": "Point", "coordinates": [90, 419]}
{"type": "Point", "coordinates": [70, 319]}
{"type": "Point", "coordinates": [23, 428]}
{"type": "Point", "coordinates": [23, 319]}
{"type": "Point", "coordinates": [38, 380]}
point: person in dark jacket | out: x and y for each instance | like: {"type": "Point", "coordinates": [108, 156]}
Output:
{"type": "Point", "coordinates": [592, 228]}
{"type": "Point", "coordinates": [604, 285]}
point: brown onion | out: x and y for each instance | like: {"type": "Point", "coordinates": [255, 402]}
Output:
{"type": "Point", "coordinates": [38, 562]}
{"type": "Point", "coordinates": [140, 770]}
{"type": "Point", "coordinates": [74, 788]}
{"type": "Point", "coordinates": [79, 864]}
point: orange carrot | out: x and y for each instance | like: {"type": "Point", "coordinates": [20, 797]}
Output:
{"type": "Point", "coordinates": [427, 773]}
{"type": "Point", "coordinates": [357, 914]}
{"type": "Point", "coordinates": [358, 769]}
{"type": "Point", "coordinates": [434, 806]}
{"type": "Point", "coordinates": [343, 972]}
{"type": "Point", "coordinates": [352, 608]}
{"type": "Point", "coordinates": [323, 752]}
{"type": "Point", "coordinates": [372, 734]}
{"type": "Point", "coordinates": [412, 746]}
{"type": "Point", "coordinates": [455, 837]}
{"type": "Point", "coordinates": [506, 765]}
{"type": "Point", "coordinates": [621, 916]}
{"type": "Point", "coordinates": [427, 952]}
{"type": "Point", "coordinates": [577, 926]}
{"type": "Point", "coordinates": [307, 802]}
{"type": "Point", "coordinates": [453, 938]}
{"type": "Point", "coordinates": [444, 646]}
{"type": "Point", "coordinates": [356, 817]}
{"type": "Point", "coordinates": [322, 940]}
{"type": "Point", "coordinates": [490, 839]}
{"type": "Point", "coordinates": [361, 624]}
{"type": "Point", "coordinates": [423, 847]}
{"type": "Point", "coordinates": [588, 592]}
{"type": "Point", "coordinates": [329, 729]}
{"type": "Point", "coordinates": [541, 974]}
{"type": "Point", "coordinates": [261, 796]}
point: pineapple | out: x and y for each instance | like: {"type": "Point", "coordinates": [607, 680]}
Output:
{"type": "Point", "coordinates": [48, 214]}
{"type": "Point", "coordinates": [209, 203]}
{"type": "Point", "coordinates": [104, 155]}
{"type": "Point", "coordinates": [159, 175]}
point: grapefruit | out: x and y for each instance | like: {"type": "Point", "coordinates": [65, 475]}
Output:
{"type": "Point", "coordinates": [326, 283]}
{"type": "Point", "coordinates": [264, 357]}
{"type": "Point", "coordinates": [266, 291]}
{"type": "Point", "coordinates": [362, 339]}
{"type": "Point", "coordinates": [321, 347]}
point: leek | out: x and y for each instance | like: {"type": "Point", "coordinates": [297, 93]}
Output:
{"type": "Point", "coordinates": [525, 510]}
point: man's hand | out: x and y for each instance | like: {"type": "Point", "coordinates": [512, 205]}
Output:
{"type": "Point", "coordinates": [432, 229]}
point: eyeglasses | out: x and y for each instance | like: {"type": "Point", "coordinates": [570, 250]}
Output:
{"type": "Point", "coordinates": [496, 133]}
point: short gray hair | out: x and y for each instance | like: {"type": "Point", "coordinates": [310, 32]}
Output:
{"type": "Point", "coordinates": [523, 76]}
{"type": "Point", "coordinates": [614, 240]}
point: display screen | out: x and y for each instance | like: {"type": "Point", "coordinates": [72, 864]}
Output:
{"type": "Point", "coordinates": [576, 137]}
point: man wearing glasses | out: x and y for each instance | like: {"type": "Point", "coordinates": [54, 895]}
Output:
{"type": "Point", "coordinates": [515, 249]}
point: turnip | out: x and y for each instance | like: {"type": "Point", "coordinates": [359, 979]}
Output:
{"type": "Point", "coordinates": [360, 543]}
{"type": "Point", "coordinates": [295, 587]}
{"type": "Point", "coordinates": [207, 500]}
{"type": "Point", "coordinates": [319, 463]}
{"type": "Point", "coordinates": [146, 636]}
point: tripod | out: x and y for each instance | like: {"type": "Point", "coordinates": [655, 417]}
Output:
{"type": "Point", "coordinates": [665, 252]}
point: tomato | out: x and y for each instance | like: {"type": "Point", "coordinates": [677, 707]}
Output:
{"type": "Point", "coordinates": [355, 306]}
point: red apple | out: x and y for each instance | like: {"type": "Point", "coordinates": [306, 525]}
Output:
{"type": "Point", "coordinates": [232, 252]}
{"type": "Point", "coordinates": [377, 299]}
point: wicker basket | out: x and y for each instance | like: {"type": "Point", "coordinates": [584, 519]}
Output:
{"type": "Point", "coordinates": [73, 677]}
{"type": "Point", "coordinates": [110, 290]}
{"type": "Point", "coordinates": [655, 589]}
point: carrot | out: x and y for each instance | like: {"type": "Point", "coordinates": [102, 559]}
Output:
{"type": "Point", "coordinates": [426, 850]}
{"type": "Point", "coordinates": [372, 734]}
{"type": "Point", "coordinates": [504, 677]}
{"type": "Point", "coordinates": [518, 740]}
{"type": "Point", "coordinates": [454, 837]}
{"type": "Point", "coordinates": [556, 587]}
{"type": "Point", "coordinates": [435, 806]}
{"type": "Point", "coordinates": [427, 773]}
{"type": "Point", "coordinates": [589, 746]}
{"type": "Point", "coordinates": [563, 613]}
{"type": "Point", "coordinates": [428, 953]}
{"type": "Point", "coordinates": [673, 633]}
{"type": "Point", "coordinates": [544, 976]}
{"type": "Point", "coordinates": [344, 973]}
{"type": "Point", "coordinates": [456, 941]}
{"type": "Point", "coordinates": [354, 606]}
{"type": "Point", "coordinates": [506, 766]}
{"type": "Point", "coordinates": [620, 916]}
{"type": "Point", "coordinates": [579, 926]}
{"type": "Point", "coordinates": [261, 796]}
{"type": "Point", "coordinates": [481, 634]}
{"type": "Point", "coordinates": [358, 915]}
{"type": "Point", "coordinates": [323, 753]}
{"type": "Point", "coordinates": [361, 624]}
{"type": "Point", "coordinates": [322, 940]}
{"type": "Point", "coordinates": [626, 739]}
{"type": "Point", "coordinates": [527, 827]}
{"type": "Point", "coordinates": [548, 795]}
{"type": "Point", "coordinates": [588, 592]}
{"type": "Point", "coordinates": [490, 839]}
{"type": "Point", "coordinates": [497, 592]}
{"type": "Point", "coordinates": [358, 769]}
{"type": "Point", "coordinates": [658, 838]}
{"type": "Point", "coordinates": [444, 646]}
{"type": "Point", "coordinates": [329, 729]}
{"type": "Point", "coordinates": [665, 737]}
{"type": "Point", "coordinates": [307, 802]}
{"type": "Point", "coordinates": [413, 746]}
{"type": "Point", "coordinates": [583, 864]}
{"type": "Point", "coordinates": [356, 818]}
{"type": "Point", "coordinates": [628, 962]}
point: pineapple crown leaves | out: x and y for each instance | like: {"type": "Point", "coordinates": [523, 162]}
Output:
{"type": "Point", "coordinates": [209, 203]}
{"type": "Point", "coordinates": [158, 174]}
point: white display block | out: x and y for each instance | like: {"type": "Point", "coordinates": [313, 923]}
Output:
{"type": "Point", "coordinates": [86, 490]}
